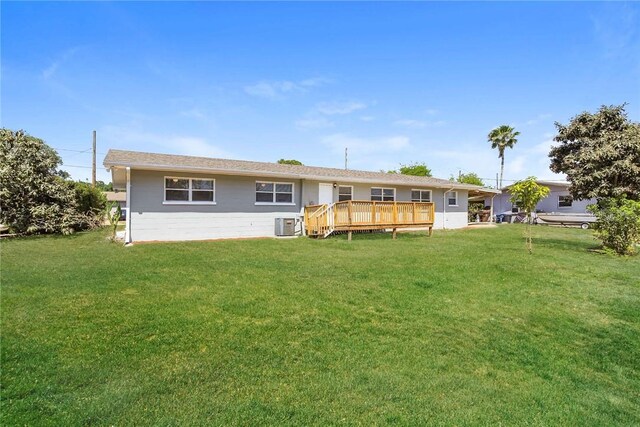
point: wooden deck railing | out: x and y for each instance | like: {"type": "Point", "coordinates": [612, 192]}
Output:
{"type": "Point", "coordinates": [322, 220]}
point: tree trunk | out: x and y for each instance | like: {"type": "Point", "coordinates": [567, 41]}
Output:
{"type": "Point", "coordinates": [501, 170]}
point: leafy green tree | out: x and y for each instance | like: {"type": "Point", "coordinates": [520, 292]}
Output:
{"type": "Point", "coordinates": [618, 224]}
{"type": "Point", "coordinates": [415, 169]}
{"type": "Point", "coordinates": [290, 162]}
{"type": "Point", "coordinates": [600, 154]}
{"type": "Point", "coordinates": [102, 186]}
{"type": "Point", "coordinates": [90, 200]}
{"type": "Point", "coordinates": [502, 137]}
{"type": "Point", "coordinates": [470, 178]}
{"type": "Point", "coordinates": [35, 199]}
{"type": "Point", "coordinates": [526, 194]}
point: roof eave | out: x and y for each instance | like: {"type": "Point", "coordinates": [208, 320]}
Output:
{"type": "Point", "coordinates": [244, 172]}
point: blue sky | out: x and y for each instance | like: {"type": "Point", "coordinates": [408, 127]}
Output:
{"type": "Point", "coordinates": [394, 82]}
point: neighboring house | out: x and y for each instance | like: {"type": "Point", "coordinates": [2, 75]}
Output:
{"type": "Point", "coordinates": [118, 197]}
{"type": "Point", "coordinates": [173, 197]}
{"type": "Point", "coordinates": [558, 200]}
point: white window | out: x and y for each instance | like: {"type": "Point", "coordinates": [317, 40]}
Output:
{"type": "Point", "coordinates": [178, 190]}
{"type": "Point", "coordinates": [345, 192]}
{"type": "Point", "coordinates": [452, 198]}
{"type": "Point", "coordinates": [383, 194]}
{"type": "Point", "coordinates": [420, 195]}
{"type": "Point", "coordinates": [274, 193]}
{"type": "Point", "coordinates": [565, 201]}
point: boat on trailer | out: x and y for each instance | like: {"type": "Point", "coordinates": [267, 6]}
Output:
{"type": "Point", "coordinates": [584, 220]}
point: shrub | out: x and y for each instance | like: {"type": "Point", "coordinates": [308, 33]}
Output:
{"type": "Point", "coordinates": [90, 200]}
{"type": "Point", "coordinates": [618, 224]}
{"type": "Point", "coordinates": [35, 196]}
{"type": "Point", "coordinates": [114, 213]}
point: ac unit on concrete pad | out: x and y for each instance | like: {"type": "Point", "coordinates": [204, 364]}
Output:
{"type": "Point", "coordinates": [285, 226]}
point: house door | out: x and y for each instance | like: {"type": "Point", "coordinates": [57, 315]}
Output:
{"type": "Point", "coordinates": [325, 194]}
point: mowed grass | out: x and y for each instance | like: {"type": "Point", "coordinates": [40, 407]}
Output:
{"type": "Point", "coordinates": [463, 328]}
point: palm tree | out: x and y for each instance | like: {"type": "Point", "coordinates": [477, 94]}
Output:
{"type": "Point", "coordinates": [502, 137]}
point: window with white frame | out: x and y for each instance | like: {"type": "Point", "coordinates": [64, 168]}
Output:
{"type": "Point", "coordinates": [452, 198]}
{"type": "Point", "coordinates": [345, 192]}
{"type": "Point", "coordinates": [383, 194]}
{"type": "Point", "coordinates": [189, 190]}
{"type": "Point", "coordinates": [274, 192]}
{"type": "Point", "coordinates": [420, 195]}
{"type": "Point", "coordinates": [565, 201]}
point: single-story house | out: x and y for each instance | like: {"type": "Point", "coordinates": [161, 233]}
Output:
{"type": "Point", "coordinates": [558, 200]}
{"type": "Point", "coordinates": [172, 197]}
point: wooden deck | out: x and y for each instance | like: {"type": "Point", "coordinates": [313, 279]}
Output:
{"type": "Point", "coordinates": [355, 215]}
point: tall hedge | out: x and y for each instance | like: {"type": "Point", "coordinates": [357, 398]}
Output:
{"type": "Point", "coordinates": [34, 198]}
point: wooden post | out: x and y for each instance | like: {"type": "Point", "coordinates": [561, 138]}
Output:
{"type": "Point", "coordinates": [414, 213]}
{"type": "Point", "coordinates": [349, 211]}
{"type": "Point", "coordinates": [349, 235]}
{"type": "Point", "coordinates": [394, 213]}
{"type": "Point", "coordinates": [393, 235]}
{"type": "Point", "coordinates": [373, 212]}
{"type": "Point", "coordinates": [430, 231]}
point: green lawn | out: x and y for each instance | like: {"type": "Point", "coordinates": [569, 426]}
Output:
{"type": "Point", "coordinates": [463, 328]}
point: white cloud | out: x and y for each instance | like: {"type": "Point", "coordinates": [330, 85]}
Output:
{"type": "Point", "coordinates": [362, 146]}
{"type": "Point", "coordinates": [538, 119]}
{"type": "Point", "coordinates": [339, 108]}
{"type": "Point", "coordinates": [276, 89]}
{"type": "Point", "coordinates": [515, 166]}
{"type": "Point", "coordinates": [314, 82]}
{"type": "Point", "coordinates": [194, 146]}
{"type": "Point", "coordinates": [418, 124]}
{"type": "Point", "coordinates": [316, 118]}
{"type": "Point", "coordinates": [367, 118]}
{"type": "Point", "coordinates": [543, 148]}
{"type": "Point", "coordinates": [410, 123]}
{"type": "Point", "coordinates": [51, 70]}
{"type": "Point", "coordinates": [194, 113]}
{"type": "Point", "coordinates": [313, 123]}
{"type": "Point", "coordinates": [615, 29]}
{"type": "Point", "coordinates": [189, 145]}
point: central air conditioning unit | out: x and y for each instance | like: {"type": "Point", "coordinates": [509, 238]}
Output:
{"type": "Point", "coordinates": [285, 227]}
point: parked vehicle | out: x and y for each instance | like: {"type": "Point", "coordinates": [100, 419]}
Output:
{"type": "Point", "coordinates": [584, 220]}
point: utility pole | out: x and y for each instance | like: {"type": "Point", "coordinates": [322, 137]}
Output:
{"type": "Point", "coordinates": [93, 169]}
{"type": "Point", "coordinates": [345, 158]}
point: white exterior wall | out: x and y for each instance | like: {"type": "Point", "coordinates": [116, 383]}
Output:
{"type": "Point", "coordinates": [453, 220]}
{"type": "Point", "coordinates": [175, 226]}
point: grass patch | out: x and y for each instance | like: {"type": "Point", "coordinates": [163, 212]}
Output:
{"type": "Point", "coordinates": [462, 328]}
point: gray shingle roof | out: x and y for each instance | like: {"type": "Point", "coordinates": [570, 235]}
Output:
{"type": "Point", "coordinates": [154, 161]}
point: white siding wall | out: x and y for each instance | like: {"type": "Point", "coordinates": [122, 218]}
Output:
{"type": "Point", "coordinates": [453, 220]}
{"type": "Point", "coordinates": [164, 226]}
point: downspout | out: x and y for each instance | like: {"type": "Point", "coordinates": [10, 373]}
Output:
{"type": "Point", "coordinates": [491, 219]}
{"type": "Point", "coordinates": [127, 229]}
{"type": "Point", "coordinates": [301, 217]}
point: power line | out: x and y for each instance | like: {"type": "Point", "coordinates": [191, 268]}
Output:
{"type": "Point", "coordinates": [76, 166]}
{"type": "Point", "coordinates": [69, 149]}
{"type": "Point", "coordinates": [78, 151]}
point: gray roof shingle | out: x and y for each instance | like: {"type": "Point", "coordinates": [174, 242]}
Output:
{"type": "Point", "coordinates": [154, 161]}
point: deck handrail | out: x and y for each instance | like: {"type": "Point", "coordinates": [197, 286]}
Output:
{"type": "Point", "coordinates": [366, 214]}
